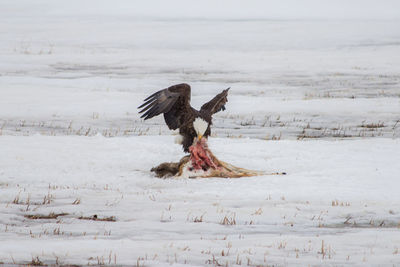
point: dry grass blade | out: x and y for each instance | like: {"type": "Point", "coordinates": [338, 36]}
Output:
{"type": "Point", "coordinates": [96, 218]}
{"type": "Point", "coordinates": [229, 220]}
{"type": "Point", "coordinates": [51, 215]}
{"type": "Point", "coordinates": [36, 262]}
{"type": "Point", "coordinates": [373, 125]}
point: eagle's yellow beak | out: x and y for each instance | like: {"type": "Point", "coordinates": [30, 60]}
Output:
{"type": "Point", "coordinates": [199, 136]}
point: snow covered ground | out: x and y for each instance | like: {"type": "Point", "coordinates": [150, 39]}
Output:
{"type": "Point", "coordinates": [315, 92]}
{"type": "Point", "coordinates": [339, 203]}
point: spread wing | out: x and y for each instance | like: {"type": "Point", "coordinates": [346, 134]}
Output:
{"type": "Point", "coordinates": [172, 101]}
{"type": "Point", "coordinates": [217, 103]}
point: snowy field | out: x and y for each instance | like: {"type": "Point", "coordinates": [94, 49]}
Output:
{"type": "Point", "coordinates": [315, 92]}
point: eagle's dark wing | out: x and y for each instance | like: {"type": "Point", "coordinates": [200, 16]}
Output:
{"type": "Point", "coordinates": [172, 101]}
{"type": "Point", "coordinates": [217, 103]}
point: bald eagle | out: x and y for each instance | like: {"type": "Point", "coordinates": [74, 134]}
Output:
{"type": "Point", "coordinates": [174, 103]}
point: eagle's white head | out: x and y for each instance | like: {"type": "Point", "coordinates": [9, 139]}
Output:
{"type": "Point", "coordinates": [200, 126]}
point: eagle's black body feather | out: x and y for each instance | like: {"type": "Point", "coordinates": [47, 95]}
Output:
{"type": "Point", "coordinates": [174, 103]}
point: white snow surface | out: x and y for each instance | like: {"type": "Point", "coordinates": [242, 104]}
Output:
{"type": "Point", "coordinates": [315, 92]}
{"type": "Point", "coordinates": [279, 220]}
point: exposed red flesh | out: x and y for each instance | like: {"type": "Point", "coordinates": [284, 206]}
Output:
{"type": "Point", "coordinates": [200, 157]}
